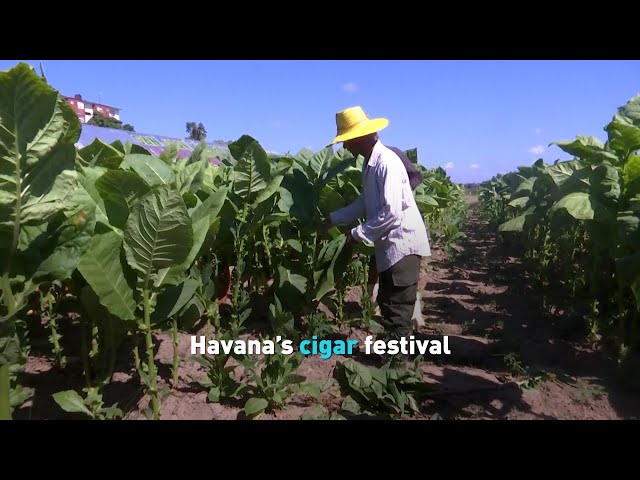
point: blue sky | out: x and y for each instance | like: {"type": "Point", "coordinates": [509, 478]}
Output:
{"type": "Point", "coordinates": [474, 118]}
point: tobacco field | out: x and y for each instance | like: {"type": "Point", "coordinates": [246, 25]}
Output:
{"type": "Point", "coordinates": [112, 258]}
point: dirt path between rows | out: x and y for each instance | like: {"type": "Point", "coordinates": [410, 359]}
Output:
{"type": "Point", "coordinates": [507, 361]}
{"type": "Point", "coordinates": [480, 299]}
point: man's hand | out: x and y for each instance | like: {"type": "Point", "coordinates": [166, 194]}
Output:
{"type": "Point", "coordinates": [350, 239]}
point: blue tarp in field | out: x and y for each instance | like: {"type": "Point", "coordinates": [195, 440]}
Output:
{"type": "Point", "coordinates": [155, 144]}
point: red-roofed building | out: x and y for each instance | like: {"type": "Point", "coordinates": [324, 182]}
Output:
{"type": "Point", "coordinates": [86, 109]}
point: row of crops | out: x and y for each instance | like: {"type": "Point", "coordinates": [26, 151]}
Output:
{"type": "Point", "coordinates": [578, 224]}
{"type": "Point", "coordinates": [103, 245]}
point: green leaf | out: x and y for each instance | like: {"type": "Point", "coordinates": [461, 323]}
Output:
{"type": "Point", "coordinates": [87, 194]}
{"type": "Point", "coordinates": [152, 170]}
{"type": "Point", "coordinates": [101, 154]}
{"type": "Point", "coordinates": [214, 394]}
{"type": "Point", "coordinates": [204, 218]}
{"type": "Point", "coordinates": [37, 158]}
{"type": "Point", "coordinates": [255, 406]}
{"type": "Point", "coordinates": [605, 184]}
{"type": "Point", "coordinates": [287, 277]}
{"type": "Point", "coordinates": [158, 233]}
{"type": "Point", "coordinates": [190, 177]}
{"type": "Point", "coordinates": [520, 202]}
{"type": "Point", "coordinates": [237, 148]}
{"type": "Point", "coordinates": [359, 375]}
{"type": "Point", "coordinates": [321, 161]}
{"type": "Point", "coordinates": [56, 253]}
{"type": "Point", "coordinates": [623, 137]}
{"type": "Point", "coordinates": [582, 206]}
{"type": "Point", "coordinates": [349, 404]}
{"type": "Point", "coordinates": [103, 267]}
{"type": "Point", "coordinates": [9, 348]}
{"type": "Point", "coordinates": [562, 172]}
{"type": "Point", "coordinates": [588, 148]}
{"type": "Point", "coordinates": [330, 200]}
{"type": "Point", "coordinates": [303, 206]}
{"type": "Point", "coordinates": [515, 224]}
{"type": "Point", "coordinates": [120, 191]}
{"type": "Point", "coordinates": [71, 402]}
{"type": "Point", "coordinates": [252, 172]}
{"type": "Point", "coordinates": [210, 207]}
{"type": "Point", "coordinates": [632, 176]}
{"type": "Point", "coordinates": [331, 254]}
{"type": "Point", "coordinates": [173, 298]}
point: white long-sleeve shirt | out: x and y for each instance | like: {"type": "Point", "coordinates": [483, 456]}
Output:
{"type": "Point", "coordinates": [394, 225]}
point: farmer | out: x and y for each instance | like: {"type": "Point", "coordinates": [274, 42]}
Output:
{"type": "Point", "coordinates": [415, 179]}
{"type": "Point", "coordinates": [394, 225]}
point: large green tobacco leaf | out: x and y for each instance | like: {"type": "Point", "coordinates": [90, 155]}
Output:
{"type": "Point", "coordinates": [252, 172]}
{"type": "Point", "coordinates": [516, 224]}
{"type": "Point", "coordinates": [570, 172]}
{"type": "Point", "coordinates": [343, 163]}
{"type": "Point", "coordinates": [588, 148]}
{"type": "Point", "coordinates": [277, 174]}
{"type": "Point", "coordinates": [104, 268]}
{"type": "Point", "coordinates": [623, 137]}
{"type": "Point", "coordinates": [330, 200]}
{"type": "Point", "coordinates": [190, 176]}
{"type": "Point", "coordinates": [203, 218]}
{"type": "Point", "coordinates": [325, 282]}
{"type": "Point", "coordinates": [173, 298]}
{"type": "Point", "coordinates": [37, 157]}
{"type": "Point", "coordinates": [152, 170]}
{"type": "Point", "coordinates": [87, 194]}
{"type": "Point", "coordinates": [291, 288]}
{"type": "Point", "coordinates": [303, 207]}
{"type": "Point", "coordinates": [604, 183]}
{"type": "Point", "coordinates": [70, 401]}
{"type": "Point", "coordinates": [100, 154]}
{"type": "Point", "coordinates": [159, 232]}
{"type": "Point", "coordinates": [120, 191]}
{"type": "Point", "coordinates": [237, 148]}
{"type": "Point", "coordinates": [582, 206]}
{"type": "Point", "coordinates": [519, 202]}
{"type": "Point", "coordinates": [55, 253]}
{"type": "Point", "coordinates": [38, 130]}
{"type": "Point", "coordinates": [321, 161]}
{"type": "Point", "coordinates": [632, 176]}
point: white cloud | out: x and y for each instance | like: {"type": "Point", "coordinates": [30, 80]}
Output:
{"type": "Point", "coordinates": [449, 165]}
{"type": "Point", "coordinates": [537, 150]}
{"type": "Point", "coordinates": [350, 87]}
{"type": "Point", "coordinates": [538, 131]}
{"type": "Point", "coordinates": [474, 165]}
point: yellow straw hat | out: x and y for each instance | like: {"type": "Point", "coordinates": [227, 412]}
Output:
{"type": "Point", "coordinates": [353, 123]}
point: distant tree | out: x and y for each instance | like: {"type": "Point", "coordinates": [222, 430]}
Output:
{"type": "Point", "coordinates": [196, 132]}
{"type": "Point", "coordinates": [100, 120]}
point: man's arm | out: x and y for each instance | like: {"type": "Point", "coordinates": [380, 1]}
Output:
{"type": "Point", "coordinates": [348, 214]}
{"type": "Point", "coordinates": [389, 178]}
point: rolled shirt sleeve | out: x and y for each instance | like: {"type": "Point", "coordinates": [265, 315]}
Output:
{"type": "Point", "coordinates": [348, 214]}
{"type": "Point", "coordinates": [389, 177]}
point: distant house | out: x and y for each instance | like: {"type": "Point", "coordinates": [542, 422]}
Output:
{"type": "Point", "coordinates": [154, 144]}
{"type": "Point", "coordinates": [86, 109]}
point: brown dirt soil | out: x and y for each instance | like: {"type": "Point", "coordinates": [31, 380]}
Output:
{"type": "Point", "coordinates": [507, 360]}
